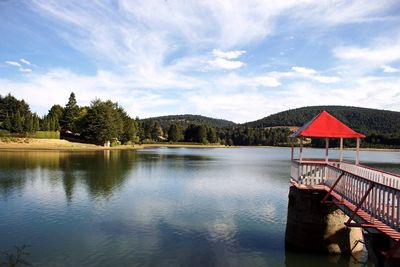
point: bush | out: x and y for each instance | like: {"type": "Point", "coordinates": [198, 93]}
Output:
{"type": "Point", "coordinates": [4, 133]}
{"type": "Point", "coordinates": [44, 135]}
{"type": "Point", "coordinates": [115, 142]}
{"type": "Point", "coordinates": [38, 134]}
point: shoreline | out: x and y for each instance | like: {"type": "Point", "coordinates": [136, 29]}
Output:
{"type": "Point", "coordinates": [30, 144]}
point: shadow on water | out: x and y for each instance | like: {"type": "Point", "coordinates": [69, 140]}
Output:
{"type": "Point", "coordinates": [296, 259]}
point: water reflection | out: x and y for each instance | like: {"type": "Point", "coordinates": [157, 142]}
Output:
{"type": "Point", "coordinates": [159, 207]}
{"type": "Point", "coordinates": [101, 172]}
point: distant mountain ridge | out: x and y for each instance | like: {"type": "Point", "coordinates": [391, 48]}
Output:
{"type": "Point", "coordinates": [186, 119]}
{"type": "Point", "coordinates": [365, 120]}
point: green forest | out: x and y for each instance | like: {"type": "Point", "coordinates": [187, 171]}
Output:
{"type": "Point", "coordinates": [104, 121]}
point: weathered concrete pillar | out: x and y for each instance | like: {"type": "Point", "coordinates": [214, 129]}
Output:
{"type": "Point", "coordinates": [317, 227]}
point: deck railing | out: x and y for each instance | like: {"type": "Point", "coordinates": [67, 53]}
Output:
{"type": "Point", "coordinates": [310, 173]}
{"type": "Point", "coordinates": [369, 173]}
{"type": "Point", "coordinates": [375, 192]}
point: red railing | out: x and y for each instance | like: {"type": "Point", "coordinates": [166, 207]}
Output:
{"type": "Point", "coordinates": [372, 193]}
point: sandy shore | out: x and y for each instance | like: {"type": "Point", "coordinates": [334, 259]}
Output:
{"type": "Point", "coordinates": [56, 144]}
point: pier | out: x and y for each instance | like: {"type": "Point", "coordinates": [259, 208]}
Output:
{"type": "Point", "coordinates": [367, 198]}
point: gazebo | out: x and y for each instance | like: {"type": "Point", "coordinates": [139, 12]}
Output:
{"type": "Point", "coordinates": [369, 197]}
{"type": "Point", "coordinates": [324, 125]}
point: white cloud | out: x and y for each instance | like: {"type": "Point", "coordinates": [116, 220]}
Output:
{"type": "Point", "coordinates": [326, 79]}
{"type": "Point", "coordinates": [149, 55]}
{"type": "Point", "coordinates": [13, 63]}
{"type": "Point", "coordinates": [332, 13]}
{"type": "Point", "coordinates": [25, 61]}
{"type": "Point", "coordinates": [232, 96]}
{"type": "Point", "coordinates": [267, 81]}
{"type": "Point", "coordinates": [223, 60]}
{"type": "Point", "coordinates": [356, 61]}
{"type": "Point", "coordinates": [378, 54]}
{"type": "Point", "coordinates": [228, 54]}
{"type": "Point", "coordinates": [304, 71]}
{"type": "Point", "coordinates": [145, 33]}
{"type": "Point", "coordinates": [389, 69]}
{"type": "Point", "coordinates": [308, 73]}
{"type": "Point", "coordinates": [20, 67]}
{"type": "Point", "coordinates": [222, 63]}
{"type": "Point", "coordinates": [233, 80]}
{"type": "Point", "coordinates": [25, 70]}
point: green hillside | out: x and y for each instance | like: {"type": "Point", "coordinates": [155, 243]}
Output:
{"type": "Point", "coordinates": [185, 120]}
{"type": "Point", "coordinates": [365, 120]}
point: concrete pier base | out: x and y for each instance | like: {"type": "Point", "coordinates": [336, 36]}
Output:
{"type": "Point", "coordinates": [316, 227]}
{"type": "Point", "coordinates": [376, 243]}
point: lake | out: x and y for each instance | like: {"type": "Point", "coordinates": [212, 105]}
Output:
{"type": "Point", "coordinates": [156, 207]}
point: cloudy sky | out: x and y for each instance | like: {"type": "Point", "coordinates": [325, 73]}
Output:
{"type": "Point", "coordinates": [237, 60]}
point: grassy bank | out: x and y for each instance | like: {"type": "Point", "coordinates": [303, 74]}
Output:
{"type": "Point", "coordinates": [13, 143]}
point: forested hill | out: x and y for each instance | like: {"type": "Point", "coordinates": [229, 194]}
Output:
{"type": "Point", "coordinates": [184, 120]}
{"type": "Point", "coordinates": [365, 120]}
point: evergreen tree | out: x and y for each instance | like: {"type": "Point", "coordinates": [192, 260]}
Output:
{"type": "Point", "coordinates": [36, 125]}
{"type": "Point", "coordinates": [7, 123]}
{"type": "Point", "coordinates": [55, 115]}
{"type": "Point", "coordinates": [190, 133]}
{"type": "Point", "coordinates": [70, 114]}
{"type": "Point", "coordinates": [130, 127]}
{"type": "Point", "coordinates": [28, 124]}
{"type": "Point", "coordinates": [17, 123]}
{"type": "Point", "coordinates": [212, 135]}
{"type": "Point", "coordinates": [10, 105]}
{"type": "Point", "coordinates": [102, 122]}
{"type": "Point", "coordinates": [156, 131]}
{"type": "Point", "coordinates": [175, 133]}
{"type": "Point", "coordinates": [201, 134]}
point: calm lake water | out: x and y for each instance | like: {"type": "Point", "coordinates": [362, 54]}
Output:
{"type": "Point", "coordinates": [155, 207]}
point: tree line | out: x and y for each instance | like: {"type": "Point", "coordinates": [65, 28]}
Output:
{"type": "Point", "coordinates": [104, 121]}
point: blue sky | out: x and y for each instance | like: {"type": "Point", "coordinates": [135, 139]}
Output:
{"type": "Point", "coordinates": [236, 60]}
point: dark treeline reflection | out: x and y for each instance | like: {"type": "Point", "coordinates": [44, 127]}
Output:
{"type": "Point", "coordinates": [102, 172]}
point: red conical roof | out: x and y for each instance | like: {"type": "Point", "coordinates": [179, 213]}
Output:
{"type": "Point", "coordinates": [325, 125]}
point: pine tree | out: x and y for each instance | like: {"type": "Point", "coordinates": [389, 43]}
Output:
{"type": "Point", "coordinates": [71, 114]}
{"type": "Point", "coordinates": [102, 122]}
{"type": "Point", "coordinates": [28, 124]}
{"type": "Point", "coordinates": [156, 130]}
{"type": "Point", "coordinates": [175, 133]}
{"type": "Point", "coordinates": [36, 125]}
{"type": "Point", "coordinates": [212, 135]}
{"type": "Point", "coordinates": [16, 123]}
{"type": "Point", "coordinates": [7, 123]}
{"type": "Point", "coordinates": [201, 134]}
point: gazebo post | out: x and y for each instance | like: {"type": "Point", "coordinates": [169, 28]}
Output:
{"type": "Point", "coordinates": [341, 149]}
{"type": "Point", "coordinates": [292, 152]}
{"type": "Point", "coordinates": [301, 150]}
{"type": "Point", "coordinates": [358, 151]}
{"type": "Point", "coordinates": [326, 149]}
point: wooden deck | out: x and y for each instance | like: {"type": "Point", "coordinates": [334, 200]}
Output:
{"type": "Point", "coordinates": [370, 197]}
